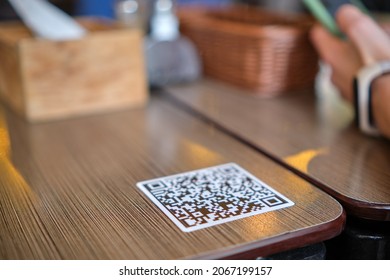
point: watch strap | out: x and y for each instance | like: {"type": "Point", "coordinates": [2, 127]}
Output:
{"type": "Point", "coordinates": [363, 91]}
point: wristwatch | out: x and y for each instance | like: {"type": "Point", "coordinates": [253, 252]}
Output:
{"type": "Point", "coordinates": [363, 99]}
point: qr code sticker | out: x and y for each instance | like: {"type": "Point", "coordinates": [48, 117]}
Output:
{"type": "Point", "coordinates": [211, 196]}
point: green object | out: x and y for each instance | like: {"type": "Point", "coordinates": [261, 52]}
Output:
{"type": "Point", "coordinates": [318, 9]}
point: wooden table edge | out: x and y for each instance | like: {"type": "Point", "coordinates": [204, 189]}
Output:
{"type": "Point", "coordinates": [358, 208]}
{"type": "Point", "coordinates": [295, 239]}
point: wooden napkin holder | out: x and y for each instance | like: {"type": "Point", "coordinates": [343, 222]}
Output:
{"type": "Point", "coordinates": [45, 80]}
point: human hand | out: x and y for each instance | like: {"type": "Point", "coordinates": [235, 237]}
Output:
{"type": "Point", "coordinates": [366, 44]}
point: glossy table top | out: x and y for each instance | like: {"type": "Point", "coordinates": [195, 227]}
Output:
{"type": "Point", "coordinates": [314, 137]}
{"type": "Point", "coordinates": [68, 190]}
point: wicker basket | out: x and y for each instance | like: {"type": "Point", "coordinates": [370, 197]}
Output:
{"type": "Point", "coordinates": [267, 53]}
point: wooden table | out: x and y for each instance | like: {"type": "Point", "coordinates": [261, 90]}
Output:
{"type": "Point", "coordinates": [314, 138]}
{"type": "Point", "coordinates": [68, 190]}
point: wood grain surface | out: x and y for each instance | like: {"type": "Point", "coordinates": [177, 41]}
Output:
{"type": "Point", "coordinates": [68, 190]}
{"type": "Point", "coordinates": [315, 137]}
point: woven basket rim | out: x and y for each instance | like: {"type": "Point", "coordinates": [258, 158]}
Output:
{"type": "Point", "coordinates": [244, 30]}
{"type": "Point", "coordinates": [205, 20]}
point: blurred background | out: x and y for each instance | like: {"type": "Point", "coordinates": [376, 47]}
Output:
{"type": "Point", "coordinates": [94, 7]}
{"type": "Point", "coordinates": [106, 7]}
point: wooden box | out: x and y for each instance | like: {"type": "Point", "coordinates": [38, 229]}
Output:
{"type": "Point", "coordinates": [45, 80]}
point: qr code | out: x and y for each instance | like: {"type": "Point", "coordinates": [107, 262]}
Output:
{"type": "Point", "coordinates": [211, 196]}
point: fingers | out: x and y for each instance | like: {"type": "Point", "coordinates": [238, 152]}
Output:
{"type": "Point", "coordinates": [370, 40]}
{"type": "Point", "coordinates": [340, 55]}
{"type": "Point", "coordinates": [325, 43]}
{"type": "Point", "coordinates": [344, 84]}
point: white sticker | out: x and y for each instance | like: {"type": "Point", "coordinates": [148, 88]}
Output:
{"type": "Point", "coordinates": [212, 196]}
